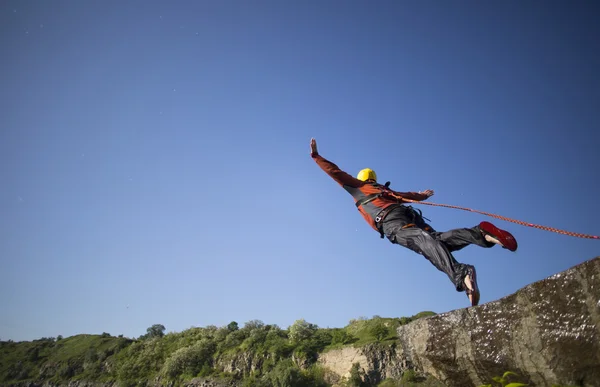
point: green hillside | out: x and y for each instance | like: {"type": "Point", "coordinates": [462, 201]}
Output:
{"type": "Point", "coordinates": [196, 352]}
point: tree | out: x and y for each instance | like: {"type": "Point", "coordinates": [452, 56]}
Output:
{"type": "Point", "coordinates": [254, 324]}
{"type": "Point", "coordinates": [379, 330]}
{"type": "Point", "coordinates": [232, 326]}
{"type": "Point", "coordinates": [301, 330]}
{"type": "Point", "coordinates": [156, 330]}
{"type": "Point", "coordinates": [190, 360]}
{"type": "Point", "coordinates": [355, 379]}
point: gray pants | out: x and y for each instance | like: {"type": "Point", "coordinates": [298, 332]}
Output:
{"type": "Point", "coordinates": [436, 246]}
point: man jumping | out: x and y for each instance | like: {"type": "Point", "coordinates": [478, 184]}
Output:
{"type": "Point", "coordinates": [385, 212]}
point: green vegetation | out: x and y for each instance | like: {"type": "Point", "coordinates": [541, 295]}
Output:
{"type": "Point", "coordinates": [508, 379]}
{"type": "Point", "coordinates": [411, 379]}
{"type": "Point", "coordinates": [256, 355]}
{"type": "Point", "coordinates": [79, 357]}
{"type": "Point", "coordinates": [504, 381]}
{"type": "Point", "coordinates": [364, 331]}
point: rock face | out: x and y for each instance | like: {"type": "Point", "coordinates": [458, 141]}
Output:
{"type": "Point", "coordinates": [340, 361]}
{"type": "Point", "coordinates": [240, 363]}
{"type": "Point", "coordinates": [376, 363]}
{"type": "Point", "coordinates": [548, 332]}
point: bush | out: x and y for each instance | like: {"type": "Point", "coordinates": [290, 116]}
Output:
{"type": "Point", "coordinates": [189, 360]}
{"type": "Point", "coordinates": [504, 381]}
{"type": "Point", "coordinates": [355, 379]}
{"type": "Point", "coordinates": [140, 361]}
{"type": "Point", "coordinates": [277, 344]}
{"type": "Point", "coordinates": [404, 320]}
{"type": "Point", "coordinates": [301, 330]}
{"type": "Point", "coordinates": [255, 339]}
{"type": "Point", "coordinates": [423, 314]}
{"type": "Point", "coordinates": [340, 336]}
{"type": "Point", "coordinates": [410, 376]}
{"type": "Point", "coordinates": [321, 339]}
{"type": "Point", "coordinates": [379, 330]}
{"type": "Point", "coordinates": [315, 376]}
{"type": "Point", "coordinates": [232, 340]}
{"type": "Point", "coordinates": [287, 374]}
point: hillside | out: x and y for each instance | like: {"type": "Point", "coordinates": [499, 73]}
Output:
{"type": "Point", "coordinates": [245, 355]}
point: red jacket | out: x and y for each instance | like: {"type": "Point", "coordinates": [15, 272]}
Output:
{"type": "Point", "coordinates": [361, 189]}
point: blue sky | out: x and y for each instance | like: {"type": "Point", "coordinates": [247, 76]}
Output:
{"type": "Point", "coordinates": [155, 159]}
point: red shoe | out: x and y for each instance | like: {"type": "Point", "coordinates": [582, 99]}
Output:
{"type": "Point", "coordinates": [503, 238]}
{"type": "Point", "coordinates": [471, 287]}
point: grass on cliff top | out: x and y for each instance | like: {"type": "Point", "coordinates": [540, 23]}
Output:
{"type": "Point", "coordinates": [79, 346]}
{"type": "Point", "coordinates": [364, 330]}
{"type": "Point", "coordinates": [382, 330]}
{"type": "Point", "coordinates": [23, 360]}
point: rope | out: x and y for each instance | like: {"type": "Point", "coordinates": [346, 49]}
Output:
{"type": "Point", "coordinates": [574, 234]}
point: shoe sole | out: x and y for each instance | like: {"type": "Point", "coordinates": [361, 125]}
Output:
{"type": "Point", "coordinates": [474, 291]}
{"type": "Point", "coordinates": [506, 239]}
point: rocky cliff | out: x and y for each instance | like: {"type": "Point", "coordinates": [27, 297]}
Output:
{"type": "Point", "coordinates": [547, 332]}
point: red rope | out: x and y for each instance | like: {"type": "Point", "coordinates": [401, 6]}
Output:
{"type": "Point", "coordinates": [575, 234]}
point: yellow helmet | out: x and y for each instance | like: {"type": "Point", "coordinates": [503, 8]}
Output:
{"type": "Point", "coordinates": [367, 174]}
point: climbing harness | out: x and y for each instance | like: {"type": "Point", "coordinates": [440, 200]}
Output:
{"type": "Point", "coordinates": [551, 229]}
{"type": "Point", "coordinates": [384, 212]}
{"type": "Point", "coordinates": [370, 198]}
{"type": "Point", "coordinates": [415, 212]}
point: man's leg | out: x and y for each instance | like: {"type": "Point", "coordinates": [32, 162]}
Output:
{"type": "Point", "coordinates": [484, 235]}
{"type": "Point", "coordinates": [459, 238]}
{"type": "Point", "coordinates": [436, 252]}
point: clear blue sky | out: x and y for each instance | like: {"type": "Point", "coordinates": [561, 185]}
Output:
{"type": "Point", "coordinates": [155, 159]}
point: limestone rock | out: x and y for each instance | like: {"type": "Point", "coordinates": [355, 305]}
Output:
{"type": "Point", "coordinates": [240, 363]}
{"type": "Point", "coordinates": [548, 332]}
{"type": "Point", "coordinates": [376, 362]}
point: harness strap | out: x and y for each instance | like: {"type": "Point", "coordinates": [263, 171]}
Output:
{"type": "Point", "coordinates": [380, 217]}
{"type": "Point", "coordinates": [367, 199]}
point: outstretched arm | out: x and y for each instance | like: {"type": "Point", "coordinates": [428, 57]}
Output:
{"type": "Point", "coordinates": [420, 196]}
{"type": "Point", "coordinates": [341, 177]}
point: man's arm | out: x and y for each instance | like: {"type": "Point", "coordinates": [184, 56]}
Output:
{"type": "Point", "coordinates": [341, 177]}
{"type": "Point", "coordinates": [419, 196]}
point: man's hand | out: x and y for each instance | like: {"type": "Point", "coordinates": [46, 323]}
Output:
{"type": "Point", "coordinates": [428, 192]}
{"type": "Point", "coordinates": [313, 147]}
